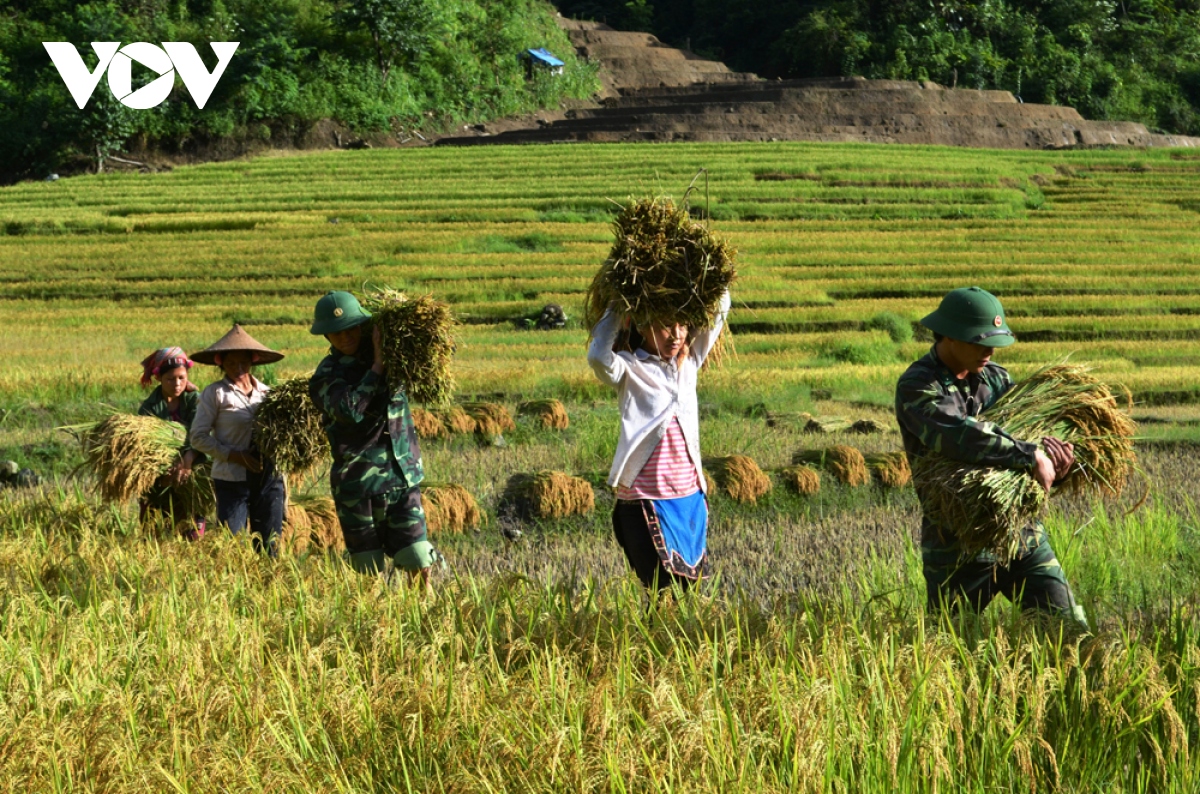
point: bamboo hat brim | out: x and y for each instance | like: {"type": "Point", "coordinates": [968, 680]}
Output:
{"type": "Point", "coordinates": [234, 341]}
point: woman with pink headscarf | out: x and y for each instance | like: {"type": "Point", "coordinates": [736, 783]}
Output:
{"type": "Point", "coordinates": [174, 400]}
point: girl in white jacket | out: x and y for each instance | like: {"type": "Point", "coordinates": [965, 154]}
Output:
{"type": "Point", "coordinates": [661, 517]}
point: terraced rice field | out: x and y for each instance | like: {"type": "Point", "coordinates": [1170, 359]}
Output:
{"type": "Point", "coordinates": [1094, 253]}
{"type": "Point", "coordinates": [807, 664]}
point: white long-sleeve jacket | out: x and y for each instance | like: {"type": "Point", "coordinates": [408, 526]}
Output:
{"type": "Point", "coordinates": [650, 392]}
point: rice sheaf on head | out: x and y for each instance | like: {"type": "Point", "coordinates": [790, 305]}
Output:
{"type": "Point", "coordinates": [663, 267]}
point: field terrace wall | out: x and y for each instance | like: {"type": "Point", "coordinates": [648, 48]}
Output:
{"type": "Point", "coordinates": [653, 92]}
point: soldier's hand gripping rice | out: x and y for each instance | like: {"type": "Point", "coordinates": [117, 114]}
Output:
{"type": "Point", "coordinates": [376, 473]}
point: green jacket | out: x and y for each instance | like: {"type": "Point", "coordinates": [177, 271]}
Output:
{"type": "Point", "coordinates": [371, 432]}
{"type": "Point", "coordinates": [156, 405]}
{"type": "Point", "coordinates": [938, 413]}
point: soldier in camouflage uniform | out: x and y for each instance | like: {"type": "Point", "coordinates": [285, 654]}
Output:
{"type": "Point", "coordinates": [938, 401]}
{"type": "Point", "coordinates": [376, 473]}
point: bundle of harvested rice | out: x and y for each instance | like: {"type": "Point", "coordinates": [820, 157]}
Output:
{"type": "Point", "coordinates": [663, 267]}
{"type": "Point", "coordinates": [428, 424]}
{"type": "Point", "coordinates": [795, 421]}
{"type": "Point", "coordinates": [129, 453]}
{"type": "Point", "coordinates": [456, 420]}
{"type": "Point", "coordinates": [290, 429]}
{"type": "Point", "coordinates": [194, 496]}
{"type": "Point", "coordinates": [740, 477]}
{"type": "Point", "coordinates": [988, 508]}
{"type": "Point", "coordinates": [710, 485]}
{"type": "Point", "coordinates": [418, 343]}
{"type": "Point", "coordinates": [889, 468]}
{"type": "Point", "coordinates": [843, 462]}
{"type": "Point", "coordinates": [827, 424]}
{"type": "Point", "coordinates": [551, 413]}
{"type": "Point", "coordinates": [550, 494]}
{"type": "Point", "coordinates": [491, 419]}
{"type": "Point", "coordinates": [450, 509]}
{"type": "Point", "coordinates": [311, 522]}
{"type": "Point", "coordinates": [868, 427]}
{"type": "Point", "coordinates": [804, 480]}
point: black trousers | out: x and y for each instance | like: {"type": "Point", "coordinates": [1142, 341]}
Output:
{"type": "Point", "coordinates": [633, 536]}
{"type": "Point", "coordinates": [261, 500]}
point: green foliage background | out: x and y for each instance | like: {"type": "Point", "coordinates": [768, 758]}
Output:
{"type": "Point", "coordinates": [372, 65]}
{"type": "Point", "coordinates": [1132, 60]}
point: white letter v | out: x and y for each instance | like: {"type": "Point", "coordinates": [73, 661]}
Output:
{"type": "Point", "coordinates": [74, 72]}
{"type": "Point", "coordinates": [199, 81]}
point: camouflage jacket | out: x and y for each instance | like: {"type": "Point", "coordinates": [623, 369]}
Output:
{"type": "Point", "coordinates": [939, 413]}
{"type": "Point", "coordinates": [371, 432]}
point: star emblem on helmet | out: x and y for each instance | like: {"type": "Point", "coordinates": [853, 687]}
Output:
{"type": "Point", "coordinates": [998, 321]}
{"type": "Point", "coordinates": [338, 313]}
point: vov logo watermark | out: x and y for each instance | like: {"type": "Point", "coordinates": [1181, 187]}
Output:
{"type": "Point", "coordinates": [172, 57]}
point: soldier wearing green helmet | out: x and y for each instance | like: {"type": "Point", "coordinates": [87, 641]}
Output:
{"type": "Point", "coordinates": [376, 473]}
{"type": "Point", "coordinates": [938, 403]}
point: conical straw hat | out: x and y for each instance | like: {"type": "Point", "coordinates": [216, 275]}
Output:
{"type": "Point", "coordinates": [236, 340]}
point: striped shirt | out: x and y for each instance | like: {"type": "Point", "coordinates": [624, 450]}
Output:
{"type": "Point", "coordinates": [670, 472]}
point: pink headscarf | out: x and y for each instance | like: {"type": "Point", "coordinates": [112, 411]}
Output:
{"type": "Point", "coordinates": [165, 360]}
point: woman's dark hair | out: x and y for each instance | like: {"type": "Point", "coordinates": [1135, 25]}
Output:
{"type": "Point", "coordinates": [937, 337]}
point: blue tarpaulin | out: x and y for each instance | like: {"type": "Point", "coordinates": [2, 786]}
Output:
{"type": "Point", "coordinates": [543, 57]}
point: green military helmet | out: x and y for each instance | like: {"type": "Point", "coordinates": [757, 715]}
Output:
{"type": "Point", "coordinates": [337, 311]}
{"type": "Point", "coordinates": [971, 314]}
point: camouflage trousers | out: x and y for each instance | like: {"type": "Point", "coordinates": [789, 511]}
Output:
{"type": "Point", "coordinates": [1034, 578]}
{"type": "Point", "coordinates": [390, 523]}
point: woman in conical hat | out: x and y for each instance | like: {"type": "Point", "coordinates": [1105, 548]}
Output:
{"type": "Point", "coordinates": [246, 484]}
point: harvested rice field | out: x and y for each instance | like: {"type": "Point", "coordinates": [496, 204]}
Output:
{"type": "Point", "coordinates": [135, 661]}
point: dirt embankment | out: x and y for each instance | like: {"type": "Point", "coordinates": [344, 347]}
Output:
{"type": "Point", "coordinates": [653, 92]}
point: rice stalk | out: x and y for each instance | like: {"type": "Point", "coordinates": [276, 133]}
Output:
{"type": "Point", "coordinates": [827, 424]}
{"type": "Point", "coordinates": [417, 335]}
{"type": "Point", "coordinates": [987, 508]}
{"type": "Point", "coordinates": [428, 424]}
{"type": "Point", "coordinates": [889, 468]}
{"type": "Point", "coordinates": [804, 480]}
{"type": "Point", "coordinates": [311, 522]}
{"type": "Point", "coordinates": [868, 427]}
{"type": "Point", "coordinates": [456, 420]}
{"type": "Point", "coordinates": [550, 494]}
{"type": "Point", "coordinates": [129, 453]}
{"type": "Point", "coordinates": [550, 413]}
{"type": "Point", "coordinates": [450, 509]}
{"type": "Point", "coordinates": [491, 419]}
{"type": "Point", "coordinates": [663, 267]}
{"type": "Point", "coordinates": [290, 430]}
{"type": "Point", "coordinates": [844, 462]}
{"type": "Point", "coordinates": [740, 477]}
